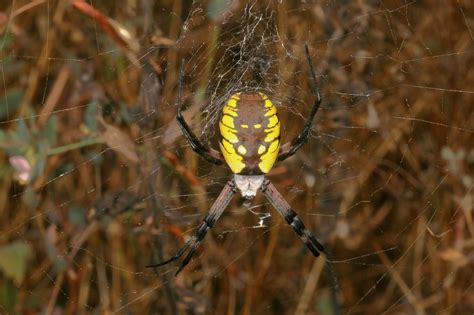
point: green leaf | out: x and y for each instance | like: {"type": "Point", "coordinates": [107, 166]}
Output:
{"type": "Point", "coordinates": [3, 139]}
{"type": "Point", "coordinates": [10, 103]}
{"type": "Point", "coordinates": [49, 131]}
{"type": "Point", "coordinates": [90, 116]}
{"type": "Point", "coordinates": [8, 293]}
{"type": "Point", "coordinates": [7, 38]}
{"type": "Point", "coordinates": [324, 304]}
{"type": "Point", "coordinates": [124, 115]}
{"type": "Point", "coordinates": [22, 133]}
{"type": "Point", "coordinates": [76, 215]}
{"type": "Point", "coordinates": [13, 259]}
{"type": "Point", "coordinates": [30, 198]}
{"type": "Point", "coordinates": [216, 8]}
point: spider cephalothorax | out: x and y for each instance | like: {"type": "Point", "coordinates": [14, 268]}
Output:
{"type": "Point", "coordinates": [250, 145]}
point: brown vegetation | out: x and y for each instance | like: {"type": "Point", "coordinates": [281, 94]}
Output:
{"type": "Point", "coordinates": [97, 181]}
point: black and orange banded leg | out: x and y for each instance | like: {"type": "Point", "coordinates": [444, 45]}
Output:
{"type": "Point", "coordinates": [280, 204]}
{"type": "Point", "coordinates": [209, 154]}
{"type": "Point", "coordinates": [193, 243]}
{"type": "Point", "coordinates": [290, 148]}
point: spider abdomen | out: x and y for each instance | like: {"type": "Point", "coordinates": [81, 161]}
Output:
{"type": "Point", "coordinates": [250, 133]}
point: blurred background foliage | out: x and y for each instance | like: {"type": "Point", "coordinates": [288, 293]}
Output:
{"type": "Point", "coordinates": [96, 180]}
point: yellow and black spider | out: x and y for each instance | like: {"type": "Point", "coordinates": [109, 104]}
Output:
{"type": "Point", "coordinates": [250, 145]}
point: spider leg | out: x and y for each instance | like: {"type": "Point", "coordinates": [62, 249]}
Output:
{"type": "Point", "coordinates": [277, 201]}
{"type": "Point", "coordinates": [213, 215]}
{"type": "Point", "coordinates": [290, 148]}
{"type": "Point", "coordinates": [209, 154]}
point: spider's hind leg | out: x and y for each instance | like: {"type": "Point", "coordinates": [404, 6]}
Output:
{"type": "Point", "coordinates": [213, 215]}
{"type": "Point", "coordinates": [280, 204]}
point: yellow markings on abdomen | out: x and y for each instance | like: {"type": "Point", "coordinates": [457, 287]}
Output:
{"type": "Point", "coordinates": [272, 133]}
{"type": "Point", "coordinates": [272, 121]}
{"type": "Point", "coordinates": [268, 159]}
{"type": "Point", "coordinates": [227, 110]}
{"type": "Point", "coordinates": [231, 157]}
{"type": "Point", "coordinates": [250, 136]}
{"type": "Point", "coordinates": [233, 100]}
{"type": "Point", "coordinates": [271, 110]}
{"type": "Point", "coordinates": [269, 149]}
{"type": "Point", "coordinates": [229, 135]}
{"type": "Point", "coordinates": [228, 121]}
{"type": "Point", "coordinates": [242, 150]}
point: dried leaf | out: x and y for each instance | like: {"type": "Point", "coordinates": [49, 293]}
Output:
{"type": "Point", "coordinates": [454, 256]}
{"type": "Point", "coordinates": [127, 37]}
{"type": "Point", "coordinates": [50, 242]}
{"type": "Point", "coordinates": [466, 203]}
{"type": "Point", "coordinates": [373, 120]}
{"type": "Point", "coordinates": [118, 141]}
{"type": "Point", "coordinates": [454, 158]}
{"type": "Point", "coordinates": [116, 31]}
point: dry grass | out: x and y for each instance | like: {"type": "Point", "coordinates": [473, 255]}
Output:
{"type": "Point", "coordinates": [387, 185]}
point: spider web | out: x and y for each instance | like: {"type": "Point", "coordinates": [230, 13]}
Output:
{"type": "Point", "coordinates": [97, 180]}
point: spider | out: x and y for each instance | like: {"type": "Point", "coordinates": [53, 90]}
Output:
{"type": "Point", "coordinates": [249, 145]}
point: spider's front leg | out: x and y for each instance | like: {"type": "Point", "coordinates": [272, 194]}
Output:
{"type": "Point", "coordinates": [209, 154]}
{"type": "Point", "coordinates": [290, 148]}
{"type": "Point", "coordinates": [280, 204]}
{"type": "Point", "coordinates": [213, 215]}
